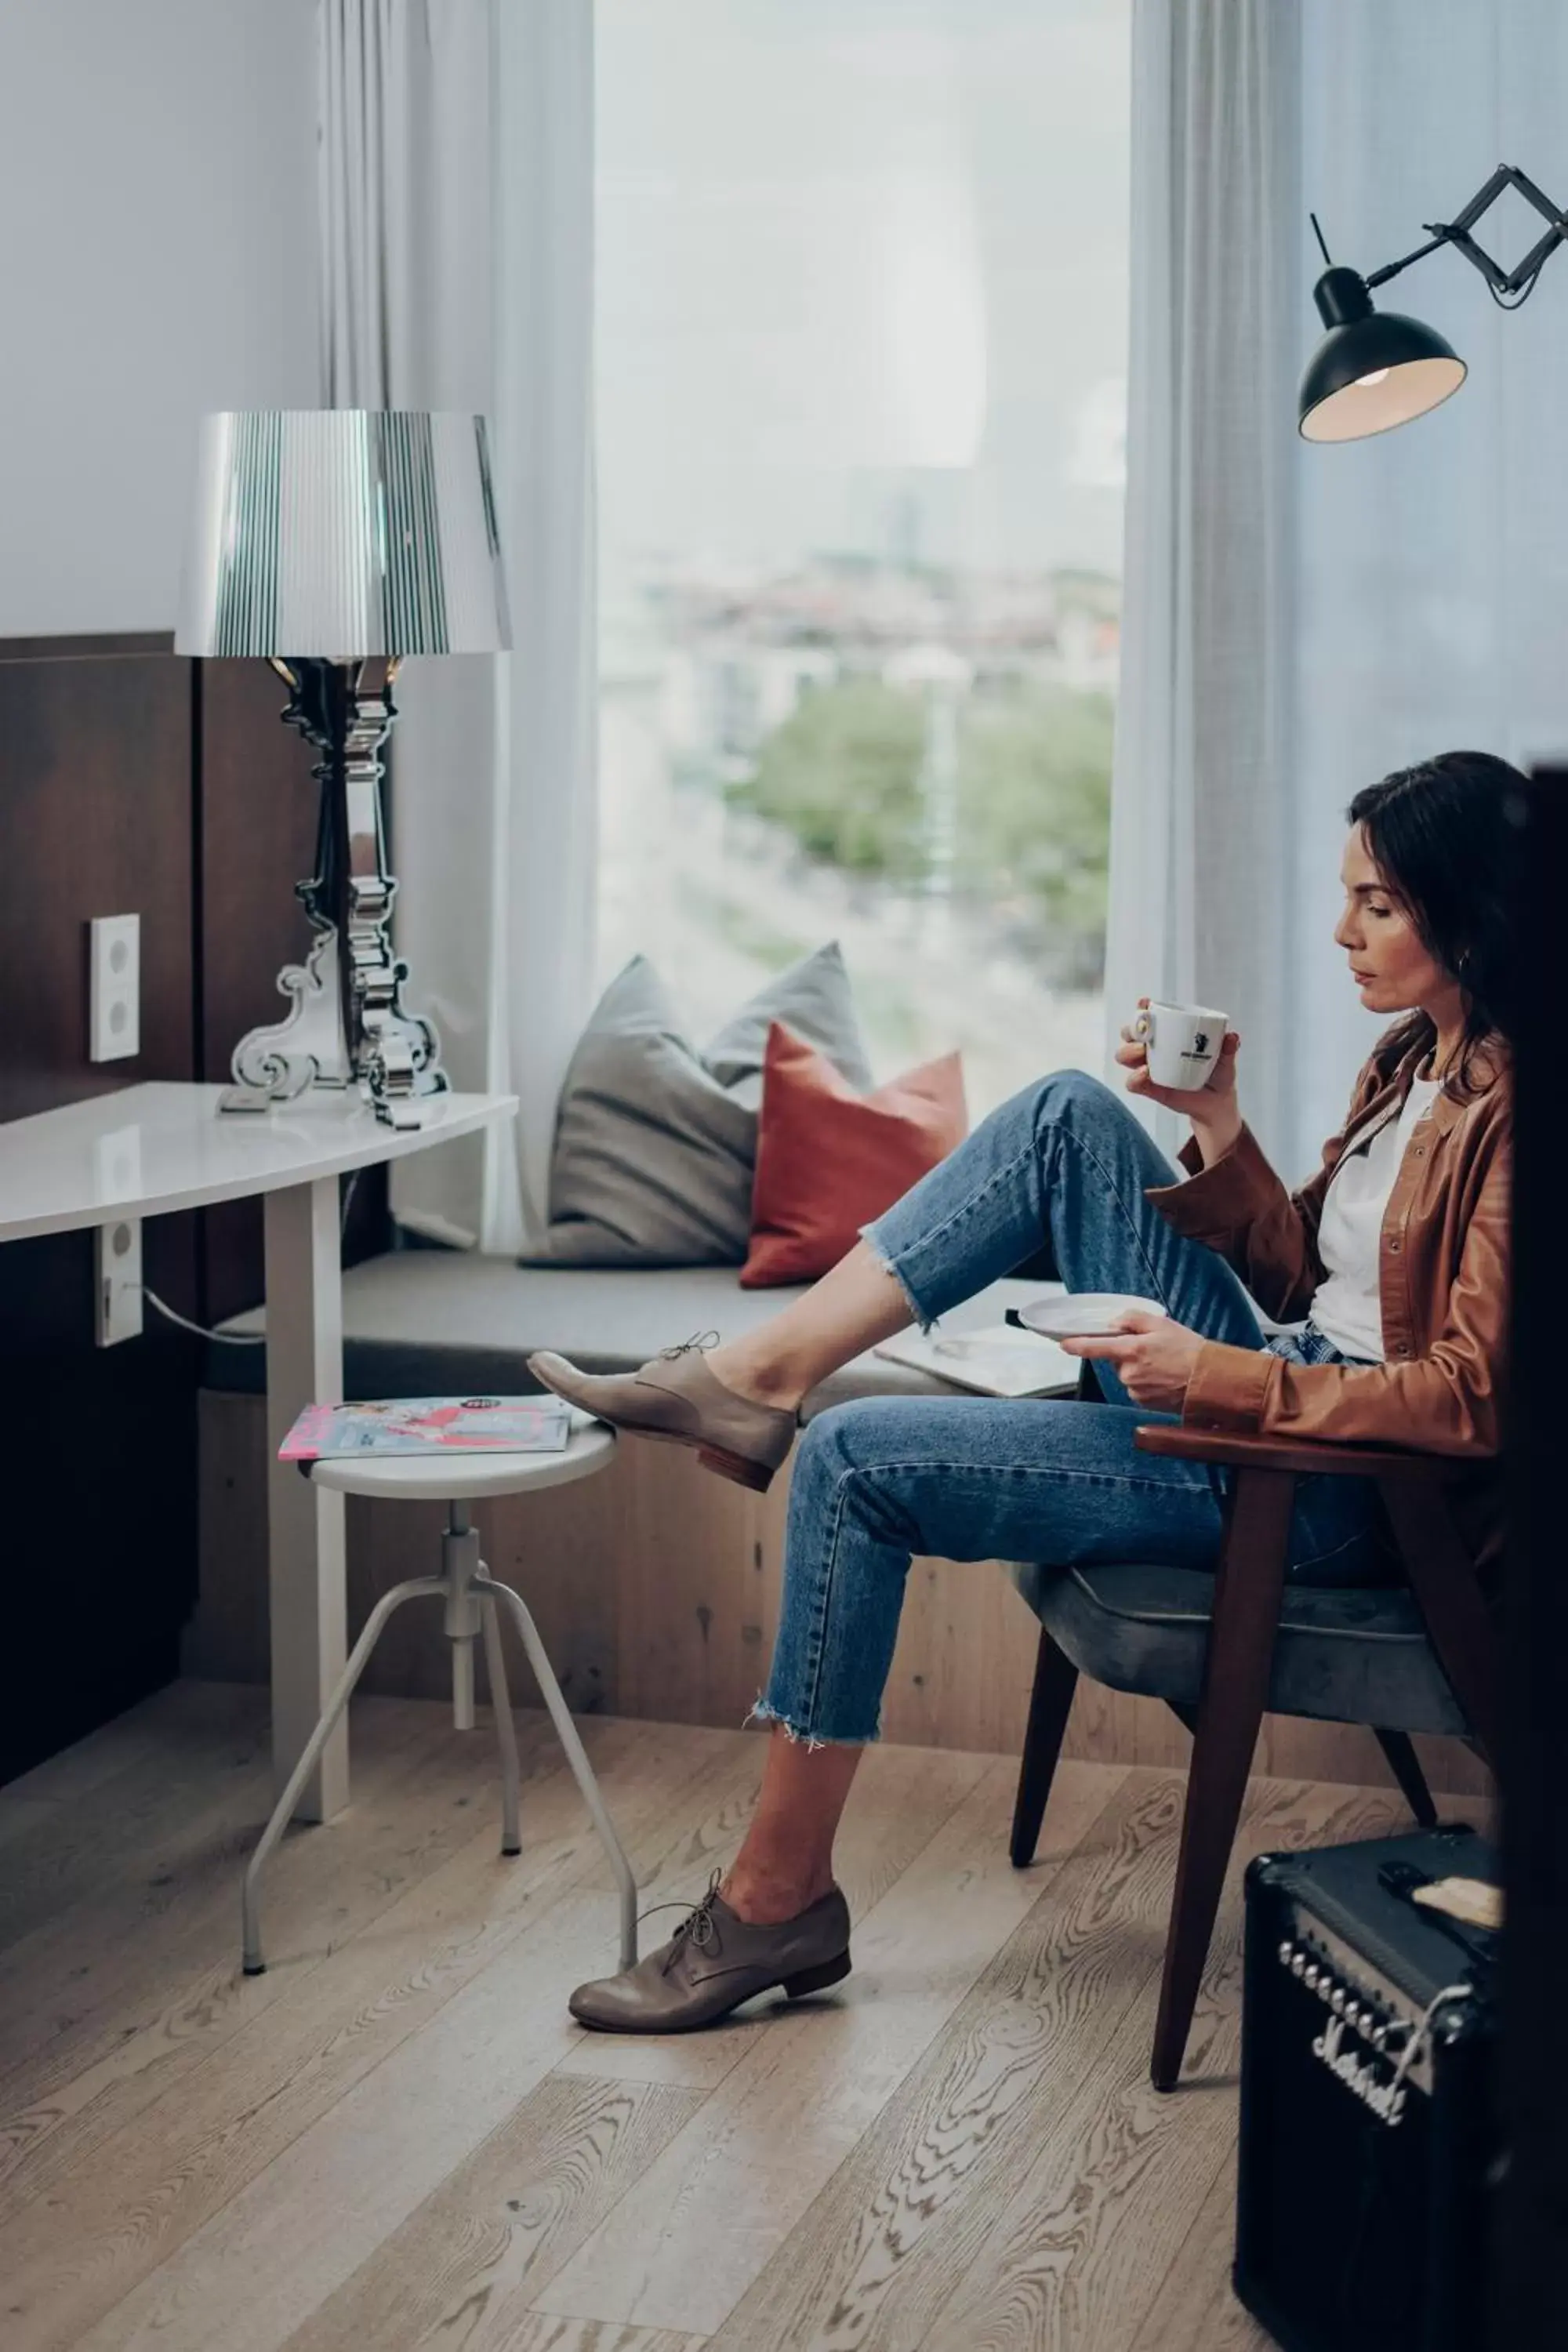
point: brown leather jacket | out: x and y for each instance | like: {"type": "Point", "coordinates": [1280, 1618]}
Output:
{"type": "Point", "coordinates": [1444, 1281]}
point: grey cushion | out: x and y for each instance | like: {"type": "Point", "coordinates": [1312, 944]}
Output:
{"type": "Point", "coordinates": [1351, 1656]}
{"type": "Point", "coordinates": [434, 1322]}
{"type": "Point", "coordinates": [655, 1142]}
{"type": "Point", "coordinates": [814, 997]}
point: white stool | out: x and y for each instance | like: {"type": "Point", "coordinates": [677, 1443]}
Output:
{"type": "Point", "coordinates": [471, 1596]}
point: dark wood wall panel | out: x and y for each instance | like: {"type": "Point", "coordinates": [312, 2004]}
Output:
{"type": "Point", "coordinates": [95, 819]}
{"type": "Point", "coordinates": [130, 782]}
{"type": "Point", "coordinates": [96, 1446]}
{"type": "Point", "coordinates": [98, 1455]}
{"type": "Point", "coordinates": [256, 826]}
{"type": "Point", "coordinates": [257, 838]}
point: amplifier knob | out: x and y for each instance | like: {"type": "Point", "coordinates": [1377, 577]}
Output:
{"type": "Point", "coordinates": [1336, 1999]}
{"type": "Point", "coordinates": [1310, 1976]}
{"type": "Point", "coordinates": [1298, 1962]}
{"type": "Point", "coordinates": [1286, 1953]}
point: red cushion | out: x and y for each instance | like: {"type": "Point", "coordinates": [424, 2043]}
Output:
{"type": "Point", "coordinates": [828, 1160]}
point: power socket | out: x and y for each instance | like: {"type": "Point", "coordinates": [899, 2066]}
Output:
{"type": "Point", "coordinates": [114, 991]}
{"type": "Point", "coordinates": [117, 1269]}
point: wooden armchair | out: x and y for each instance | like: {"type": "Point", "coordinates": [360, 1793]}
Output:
{"type": "Point", "coordinates": [1425, 1660]}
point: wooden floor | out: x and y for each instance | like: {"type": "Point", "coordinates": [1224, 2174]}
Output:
{"type": "Point", "coordinates": [398, 2138]}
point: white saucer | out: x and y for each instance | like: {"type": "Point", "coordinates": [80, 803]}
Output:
{"type": "Point", "coordinates": [1083, 1314]}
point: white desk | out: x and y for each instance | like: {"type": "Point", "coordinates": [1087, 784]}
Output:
{"type": "Point", "coordinates": [148, 1150]}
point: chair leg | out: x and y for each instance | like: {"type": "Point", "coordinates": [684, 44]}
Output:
{"type": "Point", "coordinates": [583, 1771]}
{"type": "Point", "coordinates": [1055, 1678]}
{"type": "Point", "coordinates": [1248, 1584]}
{"type": "Point", "coordinates": [1406, 1765]}
{"type": "Point", "coordinates": [506, 1729]}
{"type": "Point", "coordinates": [250, 1896]}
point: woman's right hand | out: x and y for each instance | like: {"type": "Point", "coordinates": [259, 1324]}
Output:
{"type": "Point", "coordinates": [1212, 1107]}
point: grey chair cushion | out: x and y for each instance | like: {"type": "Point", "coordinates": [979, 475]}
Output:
{"type": "Point", "coordinates": [431, 1322]}
{"type": "Point", "coordinates": [655, 1142]}
{"type": "Point", "coordinates": [1356, 1655]}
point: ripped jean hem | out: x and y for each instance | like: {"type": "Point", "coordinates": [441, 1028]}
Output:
{"type": "Point", "coordinates": [761, 1712]}
{"type": "Point", "coordinates": [891, 1265]}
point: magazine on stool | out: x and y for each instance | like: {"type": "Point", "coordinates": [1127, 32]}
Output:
{"type": "Point", "coordinates": [473, 1424]}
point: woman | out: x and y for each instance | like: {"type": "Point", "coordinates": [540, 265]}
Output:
{"type": "Point", "coordinates": [1395, 1253]}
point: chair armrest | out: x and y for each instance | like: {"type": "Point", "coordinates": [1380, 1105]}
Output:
{"type": "Point", "coordinates": [1301, 1456]}
{"type": "Point", "coordinates": [1441, 1573]}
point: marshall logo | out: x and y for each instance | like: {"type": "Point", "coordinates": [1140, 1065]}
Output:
{"type": "Point", "coordinates": [1201, 1042]}
{"type": "Point", "coordinates": [1358, 2075]}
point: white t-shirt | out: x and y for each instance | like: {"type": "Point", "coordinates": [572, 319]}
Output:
{"type": "Point", "coordinates": [1347, 1307]}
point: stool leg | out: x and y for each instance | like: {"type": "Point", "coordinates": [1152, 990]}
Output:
{"type": "Point", "coordinates": [359, 1656]}
{"type": "Point", "coordinates": [461, 1563]}
{"type": "Point", "coordinates": [463, 1682]}
{"type": "Point", "coordinates": [582, 1770]}
{"type": "Point", "coordinates": [506, 1731]}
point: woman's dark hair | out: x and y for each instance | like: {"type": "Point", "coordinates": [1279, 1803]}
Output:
{"type": "Point", "coordinates": [1445, 837]}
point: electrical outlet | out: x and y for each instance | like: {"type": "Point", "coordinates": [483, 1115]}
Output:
{"type": "Point", "coordinates": [114, 1018]}
{"type": "Point", "coordinates": [116, 1266]}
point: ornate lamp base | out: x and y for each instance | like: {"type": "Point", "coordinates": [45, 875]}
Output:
{"type": "Point", "coordinates": [346, 1025]}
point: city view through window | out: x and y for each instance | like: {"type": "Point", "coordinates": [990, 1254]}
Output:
{"type": "Point", "coordinates": [861, 354]}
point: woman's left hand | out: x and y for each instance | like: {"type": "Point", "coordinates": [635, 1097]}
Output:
{"type": "Point", "coordinates": [1151, 1357]}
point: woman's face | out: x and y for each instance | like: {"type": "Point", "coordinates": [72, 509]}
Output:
{"type": "Point", "coordinates": [1393, 969]}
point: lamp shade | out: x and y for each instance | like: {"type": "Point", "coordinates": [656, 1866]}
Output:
{"type": "Point", "coordinates": [342, 532]}
{"type": "Point", "coordinates": [1374, 369]}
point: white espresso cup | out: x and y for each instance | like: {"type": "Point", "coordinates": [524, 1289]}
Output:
{"type": "Point", "coordinates": [1181, 1044]}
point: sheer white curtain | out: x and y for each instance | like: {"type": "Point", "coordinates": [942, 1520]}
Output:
{"type": "Point", "coordinates": [1432, 593]}
{"type": "Point", "coordinates": [1200, 819]}
{"type": "Point", "coordinates": [456, 206]}
{"type": "Point", "coordinates": [1300, 620]}
{"type": "Point", "coordinates": [546, 869]}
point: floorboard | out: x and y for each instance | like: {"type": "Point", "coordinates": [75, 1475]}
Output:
{"type": "Point", "coordinates": [1120, 2172]}
{"type": "Point", "coordinates": [398, 2138]}
{"type": "Point", "coordinates": [1194, 2310]}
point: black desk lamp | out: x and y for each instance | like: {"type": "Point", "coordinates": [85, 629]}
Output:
{"type": "Point", "coordinates": [1376, 369]}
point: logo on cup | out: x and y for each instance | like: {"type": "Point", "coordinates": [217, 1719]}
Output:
{"type": "Point", "coordinates": [1201, 1042]}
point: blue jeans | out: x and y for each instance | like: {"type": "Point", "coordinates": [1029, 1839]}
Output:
{"type": "Point", "coordinates": [1061, 1167]}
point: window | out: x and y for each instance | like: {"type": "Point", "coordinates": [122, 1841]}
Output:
{"type": "Point", "coordinates": [861, 357]}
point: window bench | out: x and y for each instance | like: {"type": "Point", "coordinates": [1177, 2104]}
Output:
{"type": "Point", "coordinates": [426, 1322]}
{"type": "Point", "coordinates": [655, 1587]}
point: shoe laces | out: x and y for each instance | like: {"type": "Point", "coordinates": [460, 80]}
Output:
{"type": "Point", "coordinates": [698, 1343]}
{"type": "Point", "coordinates": [697, 1927]}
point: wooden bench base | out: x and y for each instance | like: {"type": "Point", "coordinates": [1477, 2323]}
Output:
{"type": "Point", "coordinates": [655, 1588]}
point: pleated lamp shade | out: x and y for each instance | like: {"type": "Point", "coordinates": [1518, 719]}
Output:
{"type": "Point", "coordinates": [342, 532]}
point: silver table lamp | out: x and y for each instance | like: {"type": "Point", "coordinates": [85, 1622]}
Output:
{"type": "Point", "coordinates": [327, 542]}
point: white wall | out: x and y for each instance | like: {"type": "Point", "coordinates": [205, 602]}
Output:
{"type": "Point", "coordinates": [157, 259]}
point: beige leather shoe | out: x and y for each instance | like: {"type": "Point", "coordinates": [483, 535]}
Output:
{"type": "Point", "coordinates": [713, 1962]}
{"type": "Point", "coordinates": [676, 1398]}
